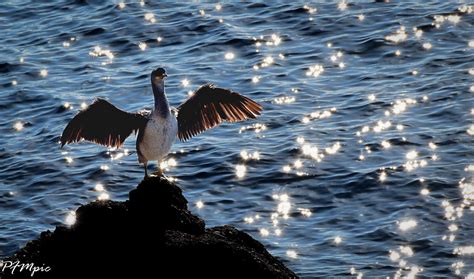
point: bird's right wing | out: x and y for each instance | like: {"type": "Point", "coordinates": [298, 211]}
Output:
{"type": "Point", "coordinates": [103, 123]}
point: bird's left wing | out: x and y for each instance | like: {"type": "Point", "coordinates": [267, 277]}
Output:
{"type": "Point", "coordinates": [209, 106]}
{"type": "Point", "coordinates": [103, 123]}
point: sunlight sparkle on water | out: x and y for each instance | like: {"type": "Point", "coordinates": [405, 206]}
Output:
{"type": "Point", "coordinates": [284, 100]}
{"type": "Point", "coordinates": [104, 167]}
{"type": "Point", "coordinates": [305, 212]}
{"type": "Point", "coordinates": [310, 10]}
{"type": "Point", "coordinates": [240, 170]}
{"type": "Point", "coordinates": [276, 39]}
{"type": "Point", "coordinates": [99, 187]}
{"type": "Point", "coordinates": [292, 254]}
{"type": "Point", "coordinates": [167, 164]}
{"type": "Point", "coordinates": [257, 127]}
{"type": "Point", "coordinates": [361, 17]}
{"type": "Point", "coordinates": [69, 160]}
{"type": "Point", "coordinates": [411, 155]}
{"type": "Point", "coordinates": [406, 250]}
{"type": "Point", "coordinates": [470, 131]}
{"type": "Point", "coordinates": [44, 73]}
{"type": "Point", "coordinates": [399, 36]}
{"type": "Point", "coordinates": [284, 207]}
{"type": "Point", "coordinates": [172, 162]}
{"type": "Point", "coordinates": [298, 164]}
{"type": "Point", "coordinates": [103, 196]}
{"type": "Point", "coordinates": [264, 232]}
{"type": "Point", "coordinates": [427, 46]}
{"type": "Point", "coordinates": [199, 204]}
{"type": "Point", "coordinates": [267, 61]}
{"type": "Point", "coordinates": [312, 151]}
{"type": "Point", "coordinates": [315, 70]}
{"type": "Point", "coordinates": [407, 225]}
{"type": "Point", "coordinates": [98, 51]}
{"type": "Point", "coordinates": [337, 239]}
{"type": "Point", "coordinates": [121, 5]}
{"type": "Point", "coordinates": [150, 17]}
{"type": "Point", "coordinates": [71, 218]}
{"type": "Point", "coordinates": [250, 155]}
{"type": "Point", "coordinates": [453, 227]}
{"type": "Point", "coordinates": [142, 46]}
{"type": "Point", "coordinates": [18, 126]}
{"type": "Point", "coordinates": [185, 82]}
{"type": "Point", "coordinates": [418, 32]}
{"type": "Point", "coordinates": [464, 250]}
{"type": "Point", "coordinates": [229, 55]}
{"type": "Point", "coordinates": [342, 5]}
{"type": "Point", "coordinates": [394, 255]}
{"type": "Point", "coordinates": [333, 149]}
{"type": "Point", "coordinates": [249, 220]}
{"type": "Point", "coordinates": [386, 144]}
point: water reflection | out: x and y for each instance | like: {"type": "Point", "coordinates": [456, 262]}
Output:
{"type": "Point", "coordinates": [365, 110]}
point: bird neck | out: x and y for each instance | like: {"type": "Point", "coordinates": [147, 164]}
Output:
{"type": "Point", "coordinates": [161, 102]}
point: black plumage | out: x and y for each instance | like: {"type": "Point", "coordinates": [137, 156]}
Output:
{"type": "Point", "coordinates": [103, 123]}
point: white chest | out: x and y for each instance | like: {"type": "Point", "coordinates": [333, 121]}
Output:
{"type": "Point", "coordinates": [158, 137]}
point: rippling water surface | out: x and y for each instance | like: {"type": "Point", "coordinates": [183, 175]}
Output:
{"type": "Point", "coordinates": [361, 164]}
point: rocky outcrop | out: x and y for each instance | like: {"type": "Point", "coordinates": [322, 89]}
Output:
{"type": "Point", "coordinates": [151, 235]}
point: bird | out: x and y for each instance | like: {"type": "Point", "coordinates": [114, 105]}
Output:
{"type": "Point", "coordinates": [103, 123]}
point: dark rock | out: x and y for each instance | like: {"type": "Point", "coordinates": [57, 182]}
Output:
{"type": "Point", "coordinates": [152, 233]}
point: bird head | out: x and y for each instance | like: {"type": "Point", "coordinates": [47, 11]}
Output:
{"type": "Point", "coordinates": [158, 75]}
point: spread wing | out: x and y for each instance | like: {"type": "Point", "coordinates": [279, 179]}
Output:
{"type": "Point", "coordinates": [209, 106]}
{"type": "Point", "coordinates": [103, 123]}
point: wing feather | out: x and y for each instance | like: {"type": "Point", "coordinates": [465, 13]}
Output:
{"type": "Point", "coordinates": [209, 106]}
{"type": "Point", "coordinates": [104, 124]}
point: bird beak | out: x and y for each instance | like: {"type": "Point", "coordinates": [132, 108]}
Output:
{"type": "Point", "coordinates": [165, 75]}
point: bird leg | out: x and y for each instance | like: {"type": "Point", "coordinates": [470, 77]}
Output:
{"type": "Point", "coordinates": [146, 171]}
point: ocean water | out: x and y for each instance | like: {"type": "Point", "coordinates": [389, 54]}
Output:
{"type": "Point", "coordinates": [360, 165]}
